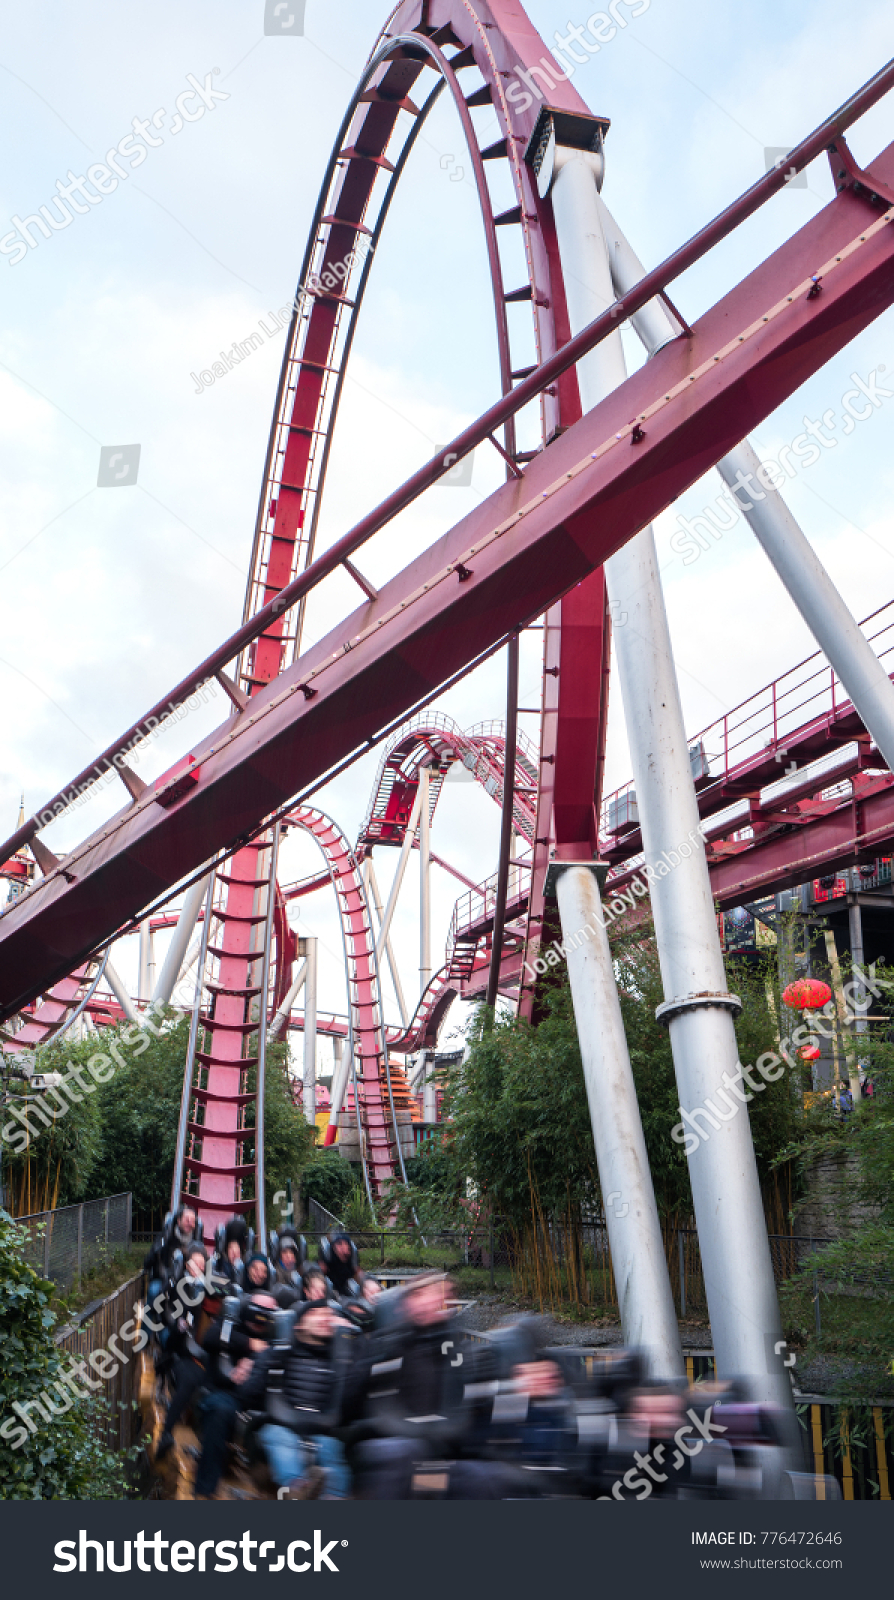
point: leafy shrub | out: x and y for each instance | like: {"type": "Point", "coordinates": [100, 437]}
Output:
{"type": "Point", "coordinates": [62, 1459]}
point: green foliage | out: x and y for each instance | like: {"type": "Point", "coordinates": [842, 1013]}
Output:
{"type": "Point", "coordinates": [62, 1460]}
{"type": "Point", "coordinates": [864, 1258]}
{"type": "Point", "coordinates": [520, 1123]}
{"type": "Point", "coordinates": [55, 1167]}
{"type": "Point", "coordinates": [357, 1215]}
{"type": "Point", "coordinates": [520, 1129]}
{"type": "Point", "coordinates": [288, 1140]}
{"type": "Point", "coordinates": [328, 1179]}
{"type": "Point", "coordinates": [122, 1135]}
{"type": "Point", "coordinates": [776, 1114]}
{"type": "Point", "coordinates": [138, 1110]}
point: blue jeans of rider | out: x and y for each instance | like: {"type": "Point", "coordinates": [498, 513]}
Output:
{"type": "Point", "coordinates": [290, 1457]}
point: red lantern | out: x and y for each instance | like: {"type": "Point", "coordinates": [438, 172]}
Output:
{"type": "Point", "coordinates": [809, 1052]}
{"type": "Point", "coordinates": [807, 994]}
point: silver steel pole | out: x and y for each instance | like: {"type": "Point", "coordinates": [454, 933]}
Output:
{"type": "Point", "coordinates": [119, 989]}
{"type": "Point", "coordinates": [654, 324]}
{"type": "Point", "coordinates": [815, 595]}
{"type": "Point", "coordinates": [340, 1075]}
{"type": "Point", "coordinates": [401, 868]}
{"type": "Point", "coordinates": [429, 1093]}
{"type": "Point", "coordinates": [173, 961]}
{"type": "Point", "coordinates": [834, 628]}
{"type": "Point", "coordinates": [143, 988]}
{"type": "Point", "coordinates": [186, 1095]}
{"type": "Point", "coordinates": [648, 1318]}
{"type": "Point", "coordinates": [372, 885]}
{"type": "Point", "coordinates": [285, 1010]}
{"type": "Point", "coordinates": [261, 1088]}
{"type": "Point", "coordinates": [309, 1098]}
{"type": "Point", "coordinates": [855, 928]}
{"type": "Point", "coordinates": [424, 880]}
{"type": "Point", "coordinates": [738, 1271]}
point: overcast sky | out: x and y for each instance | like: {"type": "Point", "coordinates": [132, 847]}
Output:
{"type": "Point", "coordinates": [109, 596]}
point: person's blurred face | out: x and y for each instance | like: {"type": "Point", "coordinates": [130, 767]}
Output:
{"type": "Point", "coordinates": [662, 1413]}
{"type": "Point", "coordinates": [315, 1287]}
{"type": "Point", "coordinates": [195, 1266]}
{"type": "Point", "coordinates": [257, 1273]}
{"type": "Point", "coordinates": [342, 1249]}
{"type": "Point", "coordinates": [256, 1327]}
{"type": "Point", "coordinates": [188, 1221]}
{"type": "Point", "coordinates": [288, 1257]}
{"type": "Point", "coordinates": [371, 1289]}
{"type": "Point", "coordinates": [234, 1253]}
{"type": "Point", "coordinates": [316, 1325]}
{"type": "Point", "coordinates": [538, 1379]}
{"type": "Point", "coordinates": [427, 1304]}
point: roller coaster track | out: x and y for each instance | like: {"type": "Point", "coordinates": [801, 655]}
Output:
{"type": "Point", "coordinates": [430, 738]}
{"type": "Point", "coordinates": [533, 547]}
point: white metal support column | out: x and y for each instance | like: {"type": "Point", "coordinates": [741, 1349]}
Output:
{"type": "Point", "coordinates": [648, 1318]}
{"type": "Point", "coordinates": [859, 1005]}
{"type": "Point", "coordinates": [802, 573]}
{"type": "Point", "coordinates": [119, 990]}
{"type": "Point", "coordinates": [399, 871]}
{"type": "Point", "coordinates": [800, 570]}
{"type": "Point", "coordinates": [735, 1250]}
{"type": "Point", "coordinates": [424, 880]}
{"type": "Point", "coordinates": [172, 965]}
{"type": "Point", "coordinates": [341, 1072]}
{"type": "Point", "coordinates": [284, 1012]}
{"type": "Point", "coordinates": [308, 948]}
{"type": "Point", "coordinates": [143, 985]}
{"type": "Point", "coordinates": [429, 1088]}
{"type": "Point", "coordinates": [372, 887]}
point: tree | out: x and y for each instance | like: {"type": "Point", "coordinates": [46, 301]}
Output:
{"type": "Point", "coordinates": [329, 1180]}
{"type": "Point", "coordinates": [45, 1167]}
{"type": "Point", "coordinates": [864, 1143]}
{"type": "Point", "coordinates": [138, 1111]}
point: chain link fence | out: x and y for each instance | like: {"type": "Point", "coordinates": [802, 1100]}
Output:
{"type": "Point", "coordinates": [64, 1244]}
{"type": "Point", "coordinates": [320, 1221]}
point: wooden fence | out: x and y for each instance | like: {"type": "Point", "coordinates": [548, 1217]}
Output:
{"type": "Point", "coordinates": [117, 1422]}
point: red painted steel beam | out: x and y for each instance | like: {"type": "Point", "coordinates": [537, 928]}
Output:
{"type": "Point", "coordinates": [858, 830]}
{"type": "Point", "coordinates": [526, 545]}
{"type": "Point", "coordinates": [582, 708]}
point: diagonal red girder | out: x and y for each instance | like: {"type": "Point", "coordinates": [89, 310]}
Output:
{"type": "Point", "coordinates": [525, 546]}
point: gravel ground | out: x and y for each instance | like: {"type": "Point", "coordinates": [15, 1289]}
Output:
{"type": "Point", "coordinates": [488, 1311]}
{"type": "Point", "coordinates": [823, 1375]}
{"type": "Point", "coordinates": [833, 1375]}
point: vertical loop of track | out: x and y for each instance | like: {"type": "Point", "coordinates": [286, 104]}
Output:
{"type": "Point", "coordinates": [495, 40]}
